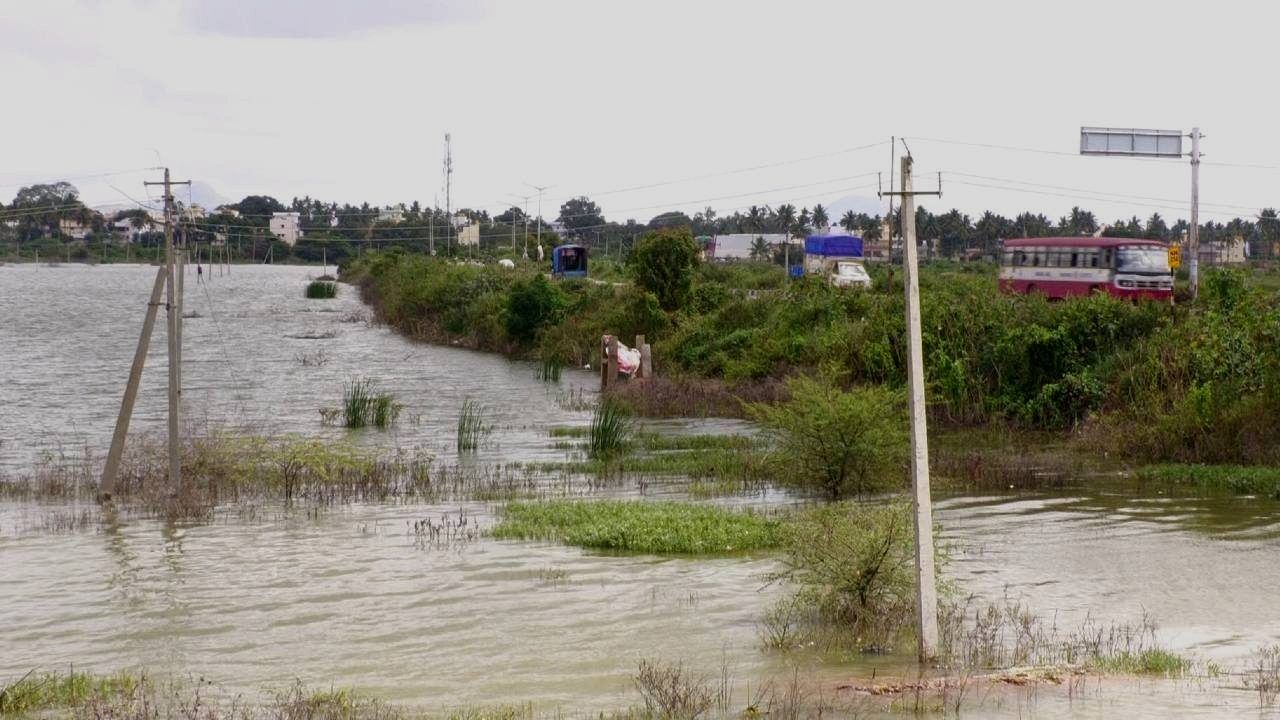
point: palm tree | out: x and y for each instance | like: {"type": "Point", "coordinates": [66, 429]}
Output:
{"type": "Point", "coordinates": [760, 249]}
{"type": "Point", "coordinates": [755, 218]}
{"type": "Point", "coordinates": [848, 221]}
{"type": "Point", "coordinates": [786, 217]}
{"type": "Point", "coordinates": [820, 219]}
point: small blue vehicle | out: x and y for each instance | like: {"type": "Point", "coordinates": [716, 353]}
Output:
{"type": "Point", "coordinates": [569, 261]}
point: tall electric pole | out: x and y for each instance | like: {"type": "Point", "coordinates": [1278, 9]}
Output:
{"type": "Point", "coordinates": [448, 189]}
{"type": "Point", "coordinates": [926, 592]}
{"type": "Point", "coordinates": [1193, 263]}
{"type": "Point", "coordinates": [540, 190]}
{"type": "Point", "coordinates": [173, 316]}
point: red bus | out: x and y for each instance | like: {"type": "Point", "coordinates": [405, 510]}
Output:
{"type": "Point", "coordinates": [1073, 266]}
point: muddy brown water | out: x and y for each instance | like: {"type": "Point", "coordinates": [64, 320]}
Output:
{"type": "Point", "coordinates": [352, 597]}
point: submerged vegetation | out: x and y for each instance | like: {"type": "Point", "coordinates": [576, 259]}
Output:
{"type": "Point", "coordinates": [1233, 479]}
{"type": "Point", "coordinates": [472, 427]}
{"type": "Point", "coordinates": [363, 405]}
{"type": "Point", "coordinates": [610, 430]}
{"type": "Point", "coordinates": [322, 290]}
{"type": "Point", "coordinates": [639, 526]}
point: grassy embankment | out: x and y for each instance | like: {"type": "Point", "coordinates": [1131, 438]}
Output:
{"type": "Point", "coordinates": [1192, 383]}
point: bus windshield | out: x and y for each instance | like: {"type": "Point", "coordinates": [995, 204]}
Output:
{"type": "Point", "coordinates": [1147, 260]}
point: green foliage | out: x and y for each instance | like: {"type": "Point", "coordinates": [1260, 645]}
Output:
{"type": "Point", "coordinates": [1151, 661]}
{"type": "Point", "coordinates": [322, 290]}
{"type": "Point", "coordinates": [362, 405]}
{"type": "Point", "coordinates": [472, 427]}
{"type": "Point", "coordinates": [1234, 479]}
{"type": "Point", "coordinates": [532, 305]}
{"type": "Point", "coordinates": [852, 567]}
{"type": "Point", "coordinates": [836, 442]}
{"type": "Point", "coordinates": [666, 528]}
{"type": "Point", "coordinates": [35, 695]}
{"type": "Point", "coordinates": [610, 430]}
{"type": "Point", "coordinates": [663, 262]}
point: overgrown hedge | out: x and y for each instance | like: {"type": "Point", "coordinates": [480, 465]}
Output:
{"type": "Point", "coordinates": [1192, 382]}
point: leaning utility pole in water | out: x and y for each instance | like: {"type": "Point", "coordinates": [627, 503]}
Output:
{"type": "Point", "coordinates": [926, 592]}
{"type": "Point", "coordinates": [169, 278]}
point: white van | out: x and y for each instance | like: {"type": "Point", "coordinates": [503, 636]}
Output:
{"type": "Point", "coordinates": [850, 273]}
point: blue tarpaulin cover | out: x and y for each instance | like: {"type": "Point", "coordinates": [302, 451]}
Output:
{"type": "Point", "coordinates": [833, 245]}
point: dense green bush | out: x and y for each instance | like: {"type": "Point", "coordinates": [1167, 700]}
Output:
{"type": "Point", "coordinates": [532, 305]}
{"type": "Point", "coordinates": [663, 262]}
{"type": "Point", "coordinates": [836, 442]}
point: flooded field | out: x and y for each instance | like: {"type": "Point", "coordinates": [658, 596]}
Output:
{"type": "Point", "coordinates": [356, 595]}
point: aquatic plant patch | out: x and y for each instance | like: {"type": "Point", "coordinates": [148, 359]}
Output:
{"type": "Point", "coordinates": [665, 528]}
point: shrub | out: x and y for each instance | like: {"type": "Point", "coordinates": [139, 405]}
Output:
{"type": "Point", "coordinates": [663, 262]}
{"type": "Point", "coordinates": [531, 306]}
{"type": "Point", "coordinates": [362, 405]}
{"type": "Point", "coordinates": [322, 290]}
{"type": "Point", "coordinates": [852, 566]}
{"type": "Point", "coordinates": [836, 442]}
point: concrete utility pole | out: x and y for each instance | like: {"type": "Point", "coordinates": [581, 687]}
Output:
{"type": "Point", "coordinates": [448, 189]}
{"type": "Point", "coordinates": [1193, 264]}
{"type": "Point", "coordinates": [540, 190]}
{"type": "Point", "coordinates": [173, 309]}
{"type": "Point", "coordinates": [926, 592]}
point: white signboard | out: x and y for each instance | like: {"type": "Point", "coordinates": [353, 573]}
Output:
{"type": "Point", "coordinates": [1130, 141]}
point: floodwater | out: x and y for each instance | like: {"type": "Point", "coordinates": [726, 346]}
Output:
{"type": "Point", "coordinates": [352, 596]}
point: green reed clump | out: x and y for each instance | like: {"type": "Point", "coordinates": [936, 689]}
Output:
{"type": "Point", "coordinates": [668, 528]}
{"type": "Point", "coordinates": [472, 427]}
{"type": "Point", "coordinates": [549, 370]}
{"type": "Point", "coordinates": [34, 695]}
{"type": "Point", "coordinates": [322, 290]}
{"type": "Point", "coordinates": [362, 405]}
{"type": "Point", "coordinates": [610, 431]}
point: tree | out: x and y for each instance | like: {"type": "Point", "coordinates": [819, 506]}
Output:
{"type": "Point", "coordinates": [1156, 228]}
{"type": "Point", "coordinates": [820, 219]}
{"type": "Point", "coordinates": [1268, 232]}
{"type": "Point", "coordinates": [672, 219]}
{"type": "Point", "coordinates": [514, 216]}
{"type": "Point", "coordinates": [849, 221]}
{"type": "Point", "coordinates": [579, 214]}
{"type": "Point", "coordinates": [784, 218]}
{"type": "Point", "coordinates": [990, 230]}
{"type": "Point", "coordinates": [1032, 226]}
{"type": "Point", "coordinates": [663, 262]}
{"type": "Point", "coordinates": [760, 249]}
{"type": "Point", "coordinates": [257, 209]}
{"type": "Point", "coordinates": [835, 442]}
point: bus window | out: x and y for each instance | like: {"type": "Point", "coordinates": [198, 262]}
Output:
{"type": "Point", "coordinates": [1006, 258]}
{"type": "Point", "coordinates": [1036, 256]}
{"type": "Point", "coordinates": [1053, 259]}
{"type": "Point", "coordinates": [1106, 258]}
{"type": "Point", "coordinates": [1092, 258]}
{"type": "Point", "coordinates": [1075, 259]}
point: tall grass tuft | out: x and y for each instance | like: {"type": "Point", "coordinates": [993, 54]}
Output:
{"type": "Point", "coordinates": [322, 290]}
{"type": "Point", "coordinates": [471, 426]}
{"type": "Point", "coordinates": [362, 405]}
{"type": "Point", "coordinates": [549, 370]}
{"type": "Point", "coordinates": [610, 431]}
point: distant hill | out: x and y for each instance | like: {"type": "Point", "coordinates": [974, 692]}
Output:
{"type": "Point", "coordinates": [857, 203]}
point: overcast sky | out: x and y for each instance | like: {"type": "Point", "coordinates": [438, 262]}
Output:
{"type": "Point", "coordinates": [350, 101]}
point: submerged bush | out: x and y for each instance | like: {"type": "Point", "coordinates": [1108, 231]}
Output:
{"type": "Point", "coordinates": [322, 290]}
{"type": "Point", "coordinates": [852, 568]}
{"type": "Point", "coordinates": [471, 426]}
{"type": "Point", "coordinates": [532, 305]}
{"type": "Point", "coordinates": [835, 442]}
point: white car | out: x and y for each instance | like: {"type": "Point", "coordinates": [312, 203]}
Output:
{"type": "Point", "coordinates": [850, 274]}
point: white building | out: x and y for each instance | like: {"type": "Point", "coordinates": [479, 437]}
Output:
{"type": "Point", "coordinates": [391, 215]}
{"type": "Point", "coordinates": [737, 246]}
{"type": "Point", "coordinates": [469, 235]}
{"type": "Point", "coordinates": [287, 226]}
{"type": "Point", "coordinates": [126, 228]}
{"type": "Point", "coordinates": [73, 229]}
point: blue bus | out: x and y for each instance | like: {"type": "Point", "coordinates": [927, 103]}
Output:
{"type": "Point", "coordinates": [569, 261]}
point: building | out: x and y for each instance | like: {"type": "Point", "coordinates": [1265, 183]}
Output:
{"type": "Point", "coordinates": [287, 226]}
{"type": "Point", "coordinates": [391, 215]}
{"type": "Point", "coordinates": [131, 232]}
{"type": "Point", "coordinates": [469, 235]}
{"type": "Point", "coordinates": [737, 246]}
{"type": "Point", "coordinates": [74, 229]}
{"type": "Point", "coordinates": [1224, 252]}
